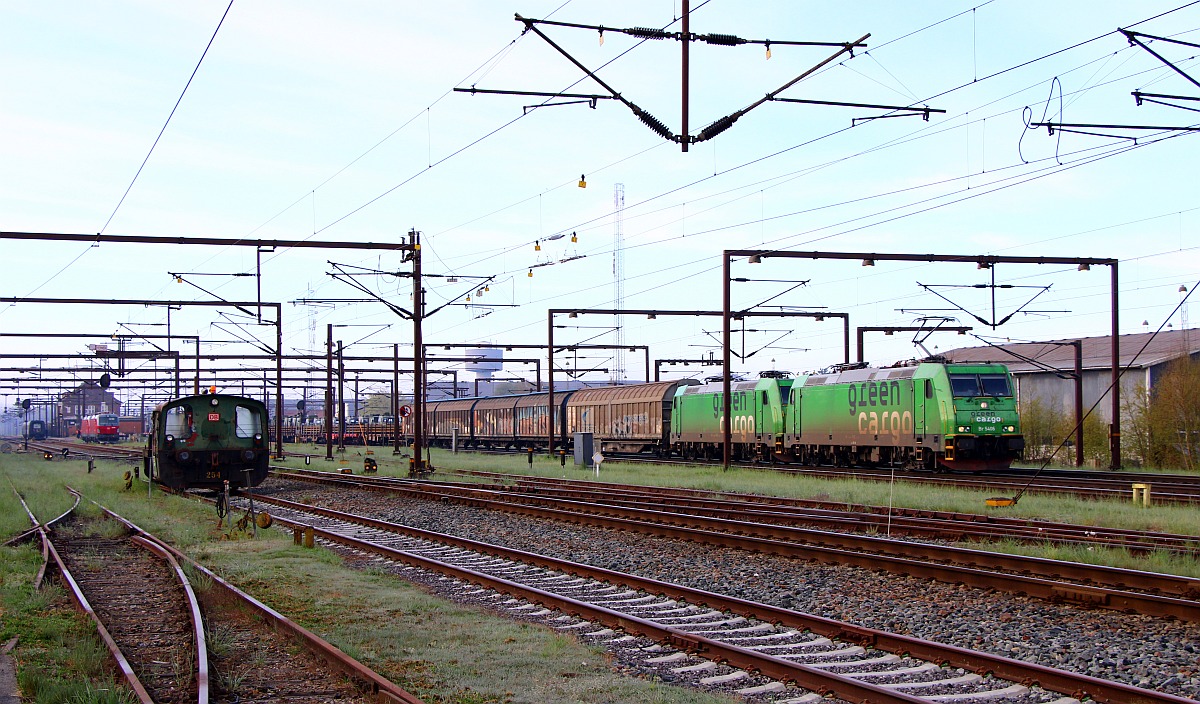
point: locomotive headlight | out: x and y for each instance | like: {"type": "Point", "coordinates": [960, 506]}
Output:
{"type": "Point", "coordinates": [213, 401]}
{"type": "Point", "coordinates": [185, 456]}
{"type": "Point", "coordinates": [258, 436]}
{"type": "Point", "coordinates": [963, 428]}
{"type": "Point", "coordinates": [1010, 428]}
{"type": "Point", "coordinates": [982, 404]}
{"type": "Point", "coordinates": [170, 439]}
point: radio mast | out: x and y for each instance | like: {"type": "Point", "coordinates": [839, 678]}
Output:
{"type": "Point", "coordinates": [618, 372]}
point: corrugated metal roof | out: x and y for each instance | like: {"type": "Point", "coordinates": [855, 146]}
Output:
{"type": "Point", "coordinates": [630, 393]}
{"type": "Point", "coordinates": [1163, 347]}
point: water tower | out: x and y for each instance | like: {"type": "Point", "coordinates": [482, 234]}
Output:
{"type": "Point", "coordinates": [487, 360]}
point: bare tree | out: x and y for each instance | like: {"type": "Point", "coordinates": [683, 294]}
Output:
{"type": "Point", "coordinates": [1175, 414]}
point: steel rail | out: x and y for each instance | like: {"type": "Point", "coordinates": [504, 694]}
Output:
{"type": "Point", "coordinates": [116, 454]}
{"type": "Point", "coordinates": [159, 548]}
{"type": "Point", "coordinates": [903, 557]}
{"type": "Point", "coordinates": [1076, 685]}
{"type": "Point", "coordinates": [832, 519]}
{"type": "Point", "coordinates": [1172, 489]}
{"type": "Point", "coordinates": [380, 687]}
{"type": "Point", "coordinates": [946, 525]}
{"type": "Point", "coordinates": [1053, 486]}
{"type": "Point", "coordinates": [82, 603]}
{"type": "Point", "coordinates": [37, 526]}
{"type": "Point", "coordinates": [40, 529]}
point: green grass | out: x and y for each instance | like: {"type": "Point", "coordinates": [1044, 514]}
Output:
{"type": "Point", "coordinates": [442, 651]}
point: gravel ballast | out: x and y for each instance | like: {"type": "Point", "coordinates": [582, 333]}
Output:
{"type": "Point", "coordinates": [1139, 650]}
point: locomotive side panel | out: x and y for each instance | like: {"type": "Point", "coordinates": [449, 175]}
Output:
{"type": "Point", "coordinates": [867, 413]}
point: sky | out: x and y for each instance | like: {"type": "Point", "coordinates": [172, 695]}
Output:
{"type": "Point", "coordinates": [338, 122]}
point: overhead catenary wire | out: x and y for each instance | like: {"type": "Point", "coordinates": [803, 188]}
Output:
{"type": "Point", "coordinates": [168, 120]}
{"type": "Point", "coordinates": [138, 173]}
{"type": "Point", "coordinates": [977, 192]}
{"type": "Point", "coordinates": [731, 169]}
{"type": "Point", "coordinates": [690, 199]}
{"type": "Point", "coordinates": [894, 142]}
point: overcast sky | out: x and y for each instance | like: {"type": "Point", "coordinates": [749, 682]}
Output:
{"type": "Point", "coordinates": [337, 122]}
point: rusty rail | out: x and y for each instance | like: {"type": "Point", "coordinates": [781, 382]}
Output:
{"type": "Point", "coordinates": [1076, 685]}
{"type": "Point", "coordinates": [378, 686]}
{"type": "Point", "coordinates": [82, 603]}
{"type": "Point", "coordinates": [947, 564]}
{"type": "Point", "coordinates": [838, 516]}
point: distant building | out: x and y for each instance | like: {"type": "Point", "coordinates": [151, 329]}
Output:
{"type": "Point", "coordinates": [87, 399]}
{"type": "Point", "coordinates": [1039, 368]}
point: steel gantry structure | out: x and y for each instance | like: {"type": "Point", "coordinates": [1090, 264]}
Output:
{"type": "Point", "coordinates": [260, 244]}
{"type": "Point", "coordinates": [983, 261]}
{"type": "Point", "coordinates": [654, 313]}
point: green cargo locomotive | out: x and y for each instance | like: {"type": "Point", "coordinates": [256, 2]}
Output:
{"type": "Point", "coordinates": [919, 415]}
{"type": "Point", "coordinates": [204, 441]}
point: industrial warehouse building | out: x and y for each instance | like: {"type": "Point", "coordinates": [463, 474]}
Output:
{"type": "Point", "coordinates": [1044, 370]}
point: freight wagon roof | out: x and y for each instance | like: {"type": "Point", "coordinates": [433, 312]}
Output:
{"type": "Point", "coordinates": [535, 400]}
{"type": "Point", "coordinates": [1097, 351]}
{"type": "Point", "coordinates": [625, 393]}
{"type": "Point", "coordinates": [459, 404]}
{"type": "Point", "coordinates": [485, 403]}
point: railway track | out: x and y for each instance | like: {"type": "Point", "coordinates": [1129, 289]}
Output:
{"type": "Point", "coordinates": [943, 525]}
{"type": "Point", "coordinates": [59, 447]}
{"type": "Point", "coordinates": [1165, 487]}
{"type": "Point", "coordinates": [144, 609]}
{"type": "Point", "coordinates": [1095, 586]}
{"type": "Point", "coordinates": [706, 638]}
{"type": "Point", "coordinates": [164, 637]}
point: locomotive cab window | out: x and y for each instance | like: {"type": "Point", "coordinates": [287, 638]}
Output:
{"type": "Point", "coordinates": [179, 422]}
{"type": "Point", "coordinates": [980, 385]}
{"type": "Point", "coordinates": [246, 422]}
{"type": "Point", "coordinates": [964, 384]}
{"type": "Point", "coordinates": [994, 385]}
{"type": "Point", "coordinates": [785, 393]}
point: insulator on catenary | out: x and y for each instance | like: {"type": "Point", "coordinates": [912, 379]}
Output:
{"type": "Point", "coordinates": [722, 39]}
{"type": "Point", "coordinates": [718, 127]}
{"type": "Point", "coordinates": [647, 33]}
{"type": "Point", "coordinates": [653, 123]}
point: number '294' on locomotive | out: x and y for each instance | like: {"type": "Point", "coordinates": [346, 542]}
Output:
{"type": "Point", "coordinates": [201, 442]}
{"type": "Point", "coordinates": [919, 415]}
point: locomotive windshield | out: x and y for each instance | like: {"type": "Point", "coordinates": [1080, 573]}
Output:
{"type": "Point", "coordinates": [178, 422]}
{"type": "Point", "coordinates": [994, 385]}
{"type": "Point", "coordinates": [979, 385]}
{"type": "Point", "coordinates": [247, 423]}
